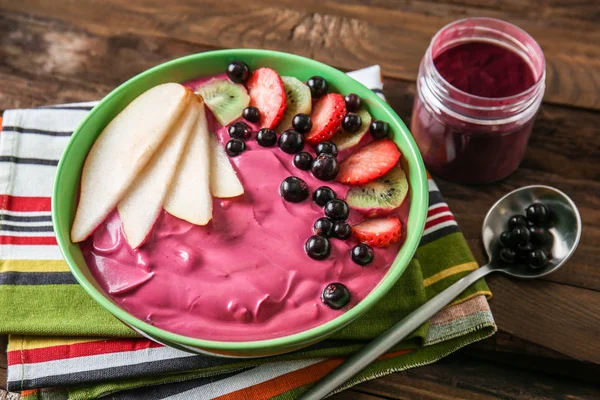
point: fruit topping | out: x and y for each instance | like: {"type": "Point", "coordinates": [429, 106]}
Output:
{"type": "Point", "coordinates": [538, 214]}
{"type": "Point", "coordinates": [239, 130]}
{"type": "Point", "coordinates": [362, 254]}
{"type": "Point", "coordinates": [345, 140]}
{"type": "Point", "coordinates": [298, 101]}
{"type": "Point", "coordinates": [303, 161]}
{"type": "Point", "coordinates": [266, 137]}
{"type": "Point", "coordinates": [326, 148]}
{"type": "Point", "coordinates": [226, 100]}
{"type": "Point", "coordinates": [337, 210]}
{"type": "Point", "coordinates": [506, 239]}
{"type": "Point", "coordinates": [369, 163]}
{"type": "Point", "coordinates": [352, 123]}
{"type": "Point", "coordinates": [327, 117]}
{"type": "Point", "coordinates": [302, 123]}
{"type": "Point", "coordinates": [238, 72]}
{"type": "Point", "coordinates": [318, 86]}
{"type": "Point", "coordinates": [325, 167]}
{"type": "Point", "coordinates": [323, 227]}
{"type": "Point", "coordinates": [379, 231]}
{"type": "Point", "coordinates": [379, 129]}
{"type": "Point", "coordinates": [537, 259]}
{"type": "Point", "coordinates": [323, 195]}
{"type": "Point", "coordinates": [335, 296]}
{"type": "Point", "coordinates": [541, 237]}
{"type": "Point", "coordinates": [291, 142]}
{"type": "Point", "coordinates": [353, 102]}
{"type": "Point", "coordinates": [382, 195]}
{"type": "Point", "coordinates": [235, 147]}
{"type": "Point", "coordinates": [341, 230]}
{"type": "Point", "coordinates": [251, 114]}
{"type": "Point", "coordinates": [516, 220]}
{"type": "Point", "coordinates": [520, 235]}
{"type": "Point", "coordinates": [508, 256]}
{"type": "Point", "coordinates": [317, 247]}
{"type": "Point", "coordinates": [293, 189]}
{"type": "Point", "coordinates": [523, 250]}
{"type": "Point", "coordinates": [224, 182]}
{"type": "Point", "coordinates": [266, 91]}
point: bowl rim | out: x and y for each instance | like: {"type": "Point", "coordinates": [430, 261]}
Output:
{"type": "Point", "coordinates": [419, 195]}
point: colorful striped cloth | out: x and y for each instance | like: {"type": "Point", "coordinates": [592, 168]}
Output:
{"type": "Point", "coordinates": [60, 346]}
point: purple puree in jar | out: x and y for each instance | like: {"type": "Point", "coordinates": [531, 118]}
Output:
{"type": "Point", "coordinates": [480, 85]}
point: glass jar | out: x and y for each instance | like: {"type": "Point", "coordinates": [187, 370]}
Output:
{"type": "Point", "coordinates": [466, 138]}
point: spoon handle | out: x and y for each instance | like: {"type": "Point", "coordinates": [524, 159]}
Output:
{"type": "Point", "coordinates": [391, 337]}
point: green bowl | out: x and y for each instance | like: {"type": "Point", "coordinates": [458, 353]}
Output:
{"type": "Point", "coordinates": [64, 198]}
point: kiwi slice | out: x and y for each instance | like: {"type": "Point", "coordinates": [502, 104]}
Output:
{"type": "Point", "coordinates": [298, 101]}
{"type": "Point", "coordinates": [380, 196]}
{"type": "Point", "coordinates": [224, 98]}
{"type": "Point", "coordinates": [346, 140]}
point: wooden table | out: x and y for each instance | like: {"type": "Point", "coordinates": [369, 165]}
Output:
{"type": "Point", "coordinates": [549, 340]}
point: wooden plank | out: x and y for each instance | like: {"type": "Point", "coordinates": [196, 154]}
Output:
{"type": "Point", "coordinates": [462, 377]}
{"type": "Point", "coordinates": [344, 35]}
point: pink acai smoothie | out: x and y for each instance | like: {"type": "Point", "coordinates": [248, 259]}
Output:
{"type": "Point", "coordinates": [245, 275]}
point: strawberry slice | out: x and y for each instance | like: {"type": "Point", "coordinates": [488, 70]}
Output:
{"type": "Point", "coordinates": [379, 232]}
{"type": "Point", "coordinates": [327, 115]}
{"type": "Point", "coordinates": [369, 163]}
{"type": "Point", "coordinates": [265, 88]}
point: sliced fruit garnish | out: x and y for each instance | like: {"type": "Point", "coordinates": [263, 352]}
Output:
{"type": "Point", "coordinates": [268, 95]}
{"type": "Point", "coordinates": [144, 200]}
{"type": "Point", "coordinates": [379, 232]}
{"type": "Point", "coordinates": [382, 195]}
{"type": "Point", "coordinates": [189, 195]}
{"type": "Point", "coordinates": [327, 115]}
{"type": "Point", "coordinates": [223, 179]}
{"type": "Point", "coordinates": [298, 100]}
{"type": "Point", "coordinates": [346, 140]}
{"type": "Point", "coordinates": [224, 98]}
{"type": "Point", "coordinates": [122, 150]}
{"type": "Point", "coordinates": [369, 163]}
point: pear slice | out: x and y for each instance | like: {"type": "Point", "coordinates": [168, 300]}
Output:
{"type": "Point", "coordinates": [122, 150]}
{"type": "Point", "coordinates": [223, 179]}
{"type": "Point", "coordinates": [144, 200]}
{"type": "Point", "coordinates": [189, 195]}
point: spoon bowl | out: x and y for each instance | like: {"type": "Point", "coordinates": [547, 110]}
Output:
{"type": "Point", "coordinates": [565, 230]}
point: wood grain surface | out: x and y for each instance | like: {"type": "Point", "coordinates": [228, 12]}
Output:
{"type": "Point", "coordinates": [547, 347]}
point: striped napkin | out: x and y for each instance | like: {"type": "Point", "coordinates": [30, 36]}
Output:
{"type": "Point", "coordinates": [62, 345]}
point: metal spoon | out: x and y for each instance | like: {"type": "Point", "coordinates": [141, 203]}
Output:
{"type": "Point", "coordinates": [566, 233]}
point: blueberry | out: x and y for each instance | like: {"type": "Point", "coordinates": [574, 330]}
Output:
{"type": "Point", "coordinates": [362, 254]}
{"type": "Point", "coordinates": [302, 123]}
{"type": "Point", "coordinates": [541, 237]}
{"type": "Point", "coordinates": [337, 210]}
{"type": "Point", "coordinates": [523, 250]}
{"type": "Point", "coordinates": [506, 240]}
{"type": "Point", "coordinates": [537, 259]}
{"type": "Point", "coordinates": [291, 141]}
{"type": "Point", "coordinates": [251, 114]}
{"type": "Point", "coordinates": [520, 235]}
{"type": "Point", "coordinates": [235, 147]}
{"type": "Point", "coordinates": [325, 167]}
{"type": "Point", "coordinates": [239, 130]}
{"type": "Point", "coordinates": [293, 189]}
{"type": "Point", "coordinates": [538, 214]}
{"type": "Point", "coordinates": [323, 227]}
{"type": "Point", "coordinates": [351, 122]}
{"type": "Point", "coordinates": [238, 72]}
{"type": "Point", "coordinates": [318, 86]}
{"type": "Point", "coordinates": [327, 148]}
{"type": "Point", "coordinates": [508, 255]}
{"type": "Point", "coordinates": [317, 247]}
{"type": "Point", "coordinates": [303, 161]}
{"type": "Point", "coordinates": [323, 195]}
{"type": "Point", "coordinates": [353, 102]}
{"type": "Point", "coordinates": [266, 137]}
{"type": "Point", "coordinates": [335, 295]}
{"type": "Point", "coordinates": [379, 129]}
{"type": "Point", "coordinates": [516, 220]}
{"type": "Point", "coordinates": [342, 230]}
